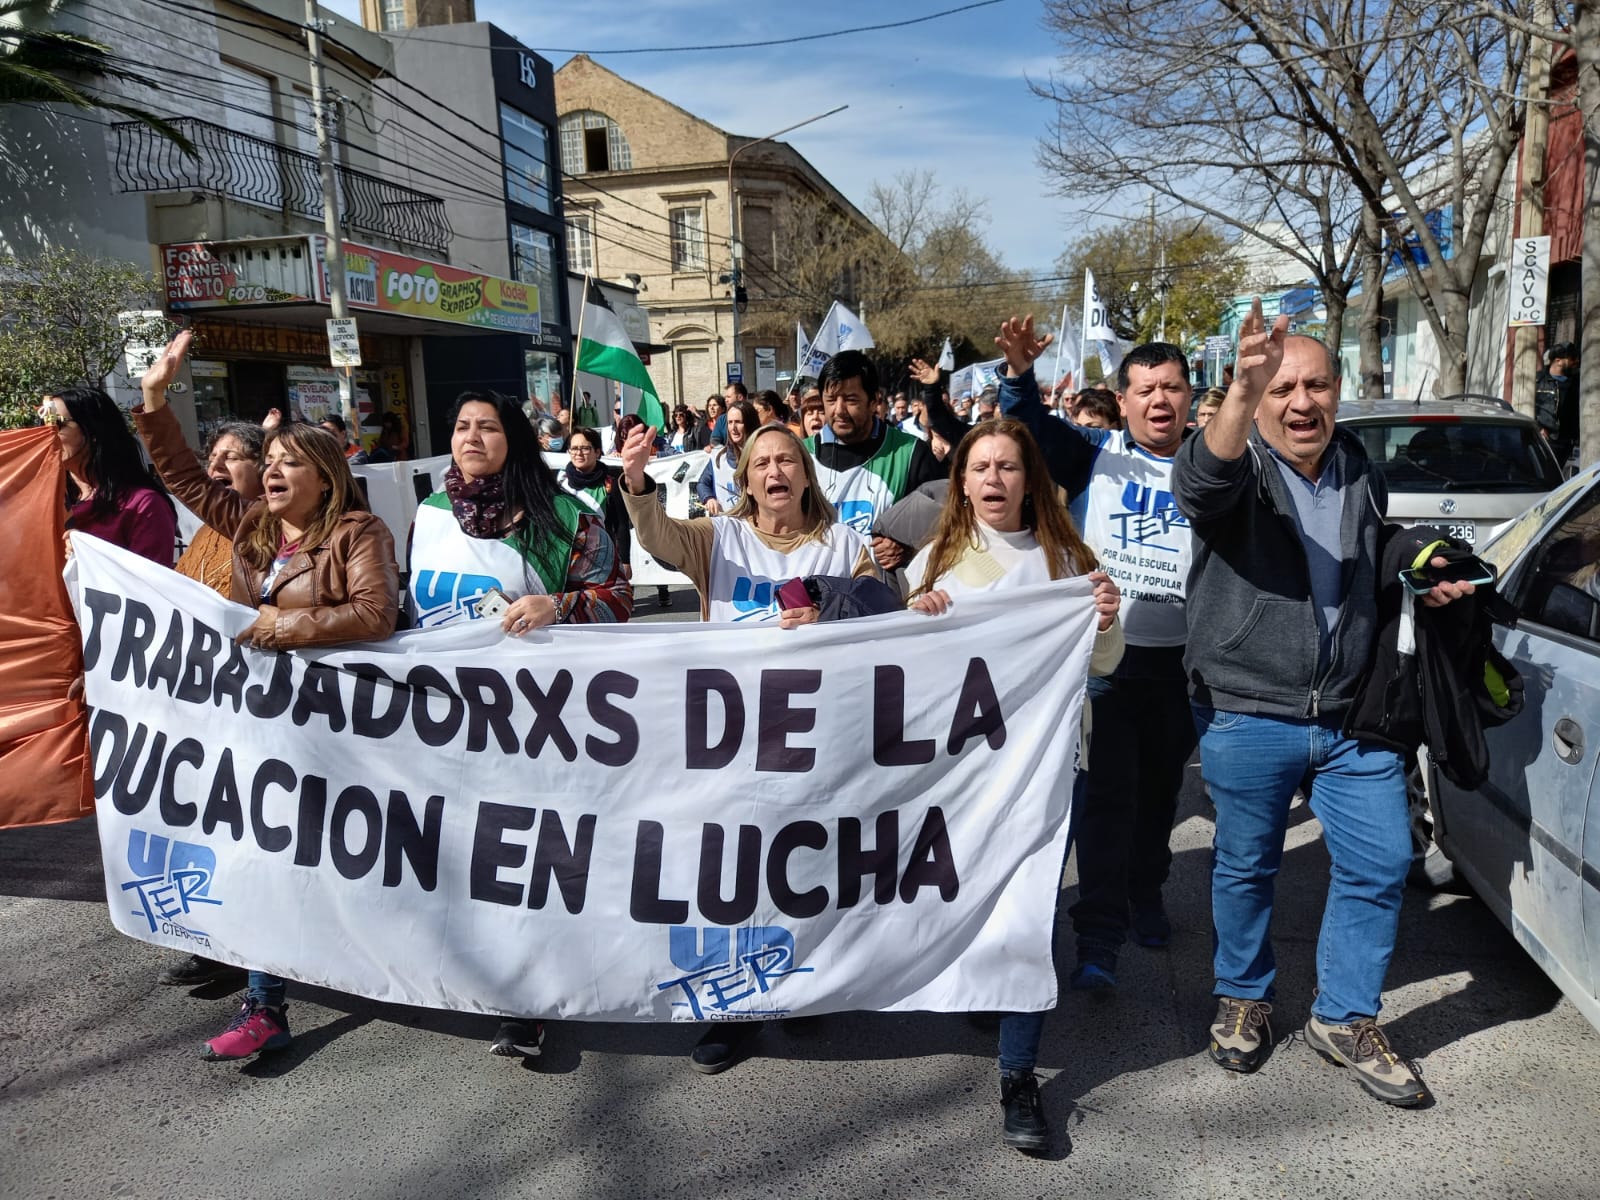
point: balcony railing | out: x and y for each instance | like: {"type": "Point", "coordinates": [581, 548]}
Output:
{"type": "Point", "coordinates": [261, 172]}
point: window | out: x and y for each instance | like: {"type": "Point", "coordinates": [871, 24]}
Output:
{"type": "Point", "coordinates": [688, 238]}
{"type": "Point", "coordinates": [527, 155]}
{"type": "Point", "coordinates": [1563, 580]}
{"type": "Point", "coordinates": [580, 245]}
{"type": "Point", "coordinates": [1450, 454]}
{"type": "Point", "coordinates": [533, 260]}
{"type": "Point", "coordinates": [394, 14]}
{"type": "Point", "coordinates": [592, 141]}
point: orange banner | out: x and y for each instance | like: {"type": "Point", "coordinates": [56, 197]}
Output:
{"type": "Point", "coordinates": [45, 772]}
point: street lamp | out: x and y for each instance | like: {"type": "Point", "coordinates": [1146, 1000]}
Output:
{"type": "Point", "coordinates": [735, 249]}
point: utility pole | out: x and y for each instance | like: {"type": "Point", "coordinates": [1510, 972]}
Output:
{"type": "Point", "coordinates": [333, 246]}
{"type": "Point", "coordinates": [1525, 362]}
{"type": "Point", "coordinates": [735, 247]}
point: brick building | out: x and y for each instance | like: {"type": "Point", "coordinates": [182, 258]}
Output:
{"type": "Point", "coordinates": [646, 203]}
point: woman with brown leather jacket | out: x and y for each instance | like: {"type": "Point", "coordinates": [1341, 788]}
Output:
{"type": "Point", "coordinates": [317, 567]}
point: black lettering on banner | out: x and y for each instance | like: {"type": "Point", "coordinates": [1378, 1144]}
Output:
{"type": "Point", "coordinates": [645, 904]}
{"type": "Point", "coordinates": [490, 851]}
{"type": "Point", "coordinates": [180, 815]}
{"type": "Point", "coordinates": [977, 711]}
{"type": "Point", "coordinates": [222, 805]}
{"type": "Point", "coordinates": [194, 686]}
{"type": "Point", "coordinates": [785, 842]}
{"type": "Point", "coordinates": [421, 681]}
{"type": "Point", "coordinates": [933, 862]}
{"type": "Point", "coordinates": [310, 821]}
{"type": "Point", "coordinates": [880, 861]}
{"type": "Point", "coordinates": [231, 679]}
{"type": "Point", "coordinates": [698, 753]}
{"type": "Point", "coordinates": [366, 721]}
{"type": "Point", "coordinates": [609, 717]}
{"type": "Point", "coordinates": [352, 863]}
{"type": "Point", "coordinates": [271, 838]}
{"type": "Point", "coordinates": [131, 800]}
{"type": "Point", "coordinates": [489, 702]}
{"type": "Point", "coordinates": [568, 864]}
{"type": "Point", "coordinates": [319, 693]}
{"type": "Point", "coordinates": [138, 631]}
{"type": "Point", "coordinates": [272, 700]}
{"type": "Point", "coordinates": [168, 663]}
{"type": "Point", "coordinates": [417, 844]}
{"type": "Point", "coordinates": [778, 719]}
{"type": "Point", "coordinates": [115, 726]}
{"type": "Point", "coordinates": [889, 747]}
{"type": "Point", "coordinates": [746, 875]}
{"type": "Point", "coordinates": [547, 708]}
{"type": "Point", "coordinates": [100, 605]}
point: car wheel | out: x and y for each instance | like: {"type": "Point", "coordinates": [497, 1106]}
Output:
{"type": "Point", "coordinates": [1431, 869]}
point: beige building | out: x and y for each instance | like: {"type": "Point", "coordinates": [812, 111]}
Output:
{"type": "Point", "coordinates": [647, 196]}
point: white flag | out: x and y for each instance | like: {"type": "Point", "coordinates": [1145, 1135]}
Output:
{"type": "Point", "coordinates": [1067, 351]}
{"type": "Point", "coordinates": [1096, 319]}
{"type": "Point", "coordinates": [802, 352]}
{"type": "Point", "coordinates": [840, 330]}
{"type": "Point", "coordinates": [947, 357]}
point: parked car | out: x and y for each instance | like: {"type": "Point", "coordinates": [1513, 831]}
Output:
{"type": "Point", "coordinates": [1528, 839]}
{"type": "Point", "coordinates": [1463, 463]}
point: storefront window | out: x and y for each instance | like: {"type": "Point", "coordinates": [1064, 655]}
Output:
{"type": "Point", "coordinates": [544, 379]}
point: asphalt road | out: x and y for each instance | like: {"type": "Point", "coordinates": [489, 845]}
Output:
{"type": "Point", "coordinates": [102, 1093]}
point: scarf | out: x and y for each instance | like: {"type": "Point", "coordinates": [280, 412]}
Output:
{"type": "Point", "coordinates": [479, 506]}
{"type": "Point", "coordinates": [586, 479]}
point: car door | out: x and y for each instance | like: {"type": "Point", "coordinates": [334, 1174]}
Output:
{"type": "Point", "coordinates": [1520, 838]}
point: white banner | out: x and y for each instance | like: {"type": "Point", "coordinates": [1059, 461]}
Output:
{"type": "Point", "coordinates": [1529, 278]}
{"type": "Point", "coordinates": [1096, 317]}
{"type": "Point", "coordinates": [637, 822]}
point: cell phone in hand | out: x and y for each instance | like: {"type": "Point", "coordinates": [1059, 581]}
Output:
{"type": "Point", "coordinates": [794, 595]}
{"type": "Point", "coordinates": [1469, 570]}
{"type": "Point", "coordinates": [492, 603]}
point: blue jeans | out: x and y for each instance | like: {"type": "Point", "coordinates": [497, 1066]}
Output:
{"type": "Point", "coordinates": [1021, 1033]}
{"type": "Point", "coordinates": [1253, 765]}
{"type": "Point", "coordinates": [262, 988]}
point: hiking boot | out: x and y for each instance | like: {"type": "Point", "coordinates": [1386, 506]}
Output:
{"type": "Point", "coordinates": [254, 1028]}
{"type": "Point", "coordinates": [1025, 1129]}
{"type": "Point", "coordinates": [1241, 1035]}
{"type": "Point", "coordinates": [1096, 971]}
{"type": "Point", "coordinates": [1151, 927]}
{"type": "Point", "coordinates": [515, 1039]}
{"type": "Point", "coordinates": [1365, 1049]}
{"type": "Point", "coordinates": [195, 971]}
{"type": "Point", "coordinates": [723, 1045]}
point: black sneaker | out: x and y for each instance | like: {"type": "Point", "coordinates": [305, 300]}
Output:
{"type": "Point", "coordinates": [1025, 1129]}
{"type": "Point", "coordinates": [1096, 970]}
{"type": "Point", "coordinates": [195, 971]}
{"type": "Point", "coordinates": [1241, 1035]}
{"type": "Point", "coordinates": [723, 1045]}
{"type": "Point", "coordinates": [518, 1039]}
{"type": "Point", "coordinates": [1151, 927]}
{"type": "Point", "coordinates": [1365, 1049]}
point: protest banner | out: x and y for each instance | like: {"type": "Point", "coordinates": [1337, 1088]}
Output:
{"type": "Point", "coordinates": [637, 822]}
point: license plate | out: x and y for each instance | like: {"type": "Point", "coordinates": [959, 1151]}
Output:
{"type": "Point", "coordinates": [1462, 531]}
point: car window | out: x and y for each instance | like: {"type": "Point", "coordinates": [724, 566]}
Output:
{"type": "Point", "coordinates": [1563, 580]}
{"type": "Point", "coordinates": [1517, 533]}
{"type": "Point", "coordinates": [1453, 454]}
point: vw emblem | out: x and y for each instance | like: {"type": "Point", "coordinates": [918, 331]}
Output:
{"type": "Point", "coordinates": [1447, 506]}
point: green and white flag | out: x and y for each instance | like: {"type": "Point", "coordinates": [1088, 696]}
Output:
{"type": "Point", "coordinates": [606, 350]}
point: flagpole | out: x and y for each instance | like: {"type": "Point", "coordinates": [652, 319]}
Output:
{"type": "Point", "coordinates": [577, 345]}
{"type": "Point", "coordinates": [1061, 334]}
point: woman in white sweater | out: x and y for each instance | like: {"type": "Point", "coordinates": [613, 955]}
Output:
{"type": "Point", "coordinates": [1003, 527]}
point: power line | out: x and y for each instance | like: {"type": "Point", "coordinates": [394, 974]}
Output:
{"type": "Point", "coordinates": [756, 45]}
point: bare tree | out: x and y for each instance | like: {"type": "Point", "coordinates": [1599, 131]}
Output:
{"type": "Point", "coordinates": [1298, 117]}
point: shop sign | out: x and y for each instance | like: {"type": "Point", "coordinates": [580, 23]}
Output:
{"type": "Point", "coordinates": [205, 275]}
{"type": "Point", "coordinates": [384, 281]}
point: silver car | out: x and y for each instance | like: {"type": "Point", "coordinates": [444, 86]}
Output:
{"type": "Point", "coordinates": [1528, 839]}
{"type": "Point", "coordinates": [1463, 463]}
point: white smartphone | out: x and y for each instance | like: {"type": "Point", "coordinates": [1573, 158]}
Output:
{"type": "Point", "coordinates": [492, 603]}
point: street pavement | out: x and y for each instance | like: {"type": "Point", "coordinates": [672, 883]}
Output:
{"type": "Point", "coordinates": [102, 1092]}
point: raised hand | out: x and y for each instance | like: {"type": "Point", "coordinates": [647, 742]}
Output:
{"type": "Point", "coordinates": [1020, 345]}
{"type": "Point", "coordinates": [1260, 351]}
{"type": "Point", "coordinates": [635, 453]}
{"type": "Point", "coordinates": [923, 372]}
{"type": "Point", "coordinates": [164, 370]}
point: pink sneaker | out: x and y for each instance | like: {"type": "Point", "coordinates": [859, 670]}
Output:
{"type": "Point", "coordinates": [254, 1028]}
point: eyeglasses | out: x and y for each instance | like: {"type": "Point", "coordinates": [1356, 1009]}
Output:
{"type": "Point", "coordinates": [580, 449]}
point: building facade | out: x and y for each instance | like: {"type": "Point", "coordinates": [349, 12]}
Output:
{"type": "Point", "coordinates": [648, 204]}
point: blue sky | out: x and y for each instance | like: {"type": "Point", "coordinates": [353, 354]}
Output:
{"type": "Point", "coordinates": [950, 95]}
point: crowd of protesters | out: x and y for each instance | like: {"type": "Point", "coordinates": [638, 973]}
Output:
{"type": "Point", "coordinates": [1256, 524]}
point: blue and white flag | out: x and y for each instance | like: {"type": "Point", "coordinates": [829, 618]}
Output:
{"type": "Point", "coordinates": [840, 330]}
{"type": "Point", "coordinates": [947, 357]}
{"type": "Point", "coordinates": [802, 352]}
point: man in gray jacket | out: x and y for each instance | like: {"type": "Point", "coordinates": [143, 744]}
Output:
{"type": "Point", "coordinates": [1286, 510]}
